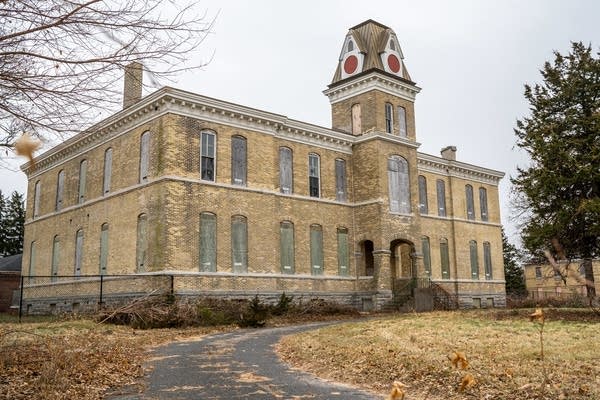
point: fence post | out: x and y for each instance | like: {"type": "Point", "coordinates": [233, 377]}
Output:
{"type": "Point", "coordinates": [101, 289]}
{"type": "Point", "coordinates": [21, 298]}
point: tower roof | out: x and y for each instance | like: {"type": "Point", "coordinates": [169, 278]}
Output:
{"type": "Point", "coordinates": [370, 46]}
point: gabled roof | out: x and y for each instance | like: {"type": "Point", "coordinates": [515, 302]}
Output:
{"type": "Point", "coordinates": [11, 263]}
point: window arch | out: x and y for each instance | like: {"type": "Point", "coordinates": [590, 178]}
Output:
{"type": "Point", "coordinates": [141, 257]}
{"type": "Point", "coordinates": [316, 249]}
{"type": "Point", "coordinates": [314, 175]}
{"type": "Point", "coordinates": [208, 242]}
{"type": "Point", "coordinates": [108, 155]}
{"type": "Point", "coordinates": [470, 202]}
{"type": "Point", "coordinates": [55, 257]}
{"type": "Point", "coordinates": [445, 258]}
{"type": "Point", "coordinates": [239, 244]}
{"type": "Point", "coordinates": [144, 156]}
{"type": "Point", "coordinates": [350, 45]}
{"type": "Point", "coordinates": [286, 234]}
{"type": "Point", "coordinates": [103, 248]}
{"type": "Point", "coordinates": [208, 155]}
{"type": "Point", "coordinates": [60, 188]}
{"type": "Point", "coordinates": [239, 160]}
{"type": "Point", "coordinates": [483, 205]}
{"type": "Point", "coordinates": [78, 252]}
{"type": "Point", "coordinates": [286, 170]}
{"type": "Point", "coordinates": [474, 259]}
{"type": "Point", "coordinates": [399, 185]}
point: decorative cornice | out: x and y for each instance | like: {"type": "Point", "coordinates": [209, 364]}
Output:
{"type": "Point", "coordinates": [372, 135]}
{"type": "Point", "coordinates": [450, 168]}
{"type": "Point", "coordinates": [372, 81]}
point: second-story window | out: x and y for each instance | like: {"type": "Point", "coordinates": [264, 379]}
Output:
{"type": "Point", "coordinates": [441, 197]}
{"type": "Point", "coordinates": [37, 192]}
{"type": "Point", "coordinates": [399, 185]}
{"type": "Point", "coordinates": [286, 175]}
{"type": "Point", "coordinates": [82, 180]}
{"type": "Point", "coordinates": [423, 204]}
{"type": "Point", "coordinates": [208, 156]}
{"type": "Point", "coordinates": [144, 156]}
{"type": "Point", "coordinates": [238, 160]}
{"type": "Point", "coordinates": [107, 170]}
{"type": "Point", "coordinates": [402, 121]}
{"type": "Point", "coordinates": [483, 206]}
{"type": "Point", "coordinates": [470, 202]}
{"type": "Point", "coordinates": [389, 121]}
{"type": "Point", "coordinates": [60, 188]}
{"type": "Point", "coordinates": [340, 180]}
{"type": "Point", "coordinates": [314, 175]}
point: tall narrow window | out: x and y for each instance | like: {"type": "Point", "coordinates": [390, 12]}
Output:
{"type": "Point", "coordinates": [441, 197]}
{"type": "Point", "coordinates": [107, 170]}
{"type": "Point", "coordinates": [445, 258]}
{"type": "Point", "coordinates": [316, 250]}
{"type": "Point", "coordinates": [487, 260]}
{"type": "Point", "coordinates": [423, 204]}
{"type": "Point", "coordinates": [37, 192]}
{"type": "Point", "coordinates": [389, 123]}
{"type": "Point", "coordinates": [144, 156]}
{"type": "Point", "coordinates": [314, 175]}
{"type": "Point", "coordinates": [238, 160]}
{"type": "Point", "coordinates": [286, 232]}
{"type": "Point", "coordinates": [483, 206]}
{"type": "Point", "coordinates": [343, 257]}
{"type": "Point", "coordinates": [103, 248]}
{"type": "Point", "coordinates": [426, 248]}
{"type": "Point", "coordinates": [340, 180]}
{"type": "Point", "coordinates": [399, 185]}
{"type": "Point", "coordinates": [474, 259]}
{"type": "Point", "coordinates": [356, 119]}
{"type": "Point", "coordinates": [239, 244]}
{"type": "Point", "coordinates": [55, 257]}
{"type": "Point", "coordinates": [141, 252]}
{"type": "Point", "coordinates": [82, 180]}
{"type": "Point", "coordinates": [60, 188]}
{"type": "Point", "coordinates": [78, 252]}
{"type": "Point", "coordinates": [208, 242]}
{"type": "Point", "coordinates": [470, 202]}
{"type": "Point", "coordinates": [207, 172]}
{"type": "Point", "coordinates": [402, 121]}
{"type": "Point", "coordinates": [286, 176]}
{"type": "Point", "coordinates": [32, 259]}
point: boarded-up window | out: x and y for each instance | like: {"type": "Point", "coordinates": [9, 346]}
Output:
{"type": "Point", "coordinates": [286, 176]}
{"type": "Point", "coordinates": [208, 242]}
{"type": "Point", "coordinates": [314, 175]}
{"type": "Point", "coordinates": [32, 259]}
{"type": "Point", "coordinates": [238, 160]}
{"type": "Point", "coordinates": [37, 192]}
{"type": "Point", "coordinates": [60, 188]}
{"type": "Point", "coordinates": [402, 121]}
{"type": "Point", "coordinates": [144, 156]}
{"type": "Point", "coordinates": [483, 205]}
{"type": "Point", "coordinates": [207, 166]}
{"type": "Point", "coordinates": [55, 257]}
{"type": "Point", "coordinates": [340, 180]}
{"type": "Point", "coordinates": [286, 232]}
{"type": "Point", "coordinates": [78, 252]}
{"type": "Point", "coordinates": [343, 256]}
{"type": "Point", "coordinates": [426, 249]}
{"type": "Point", "coordinates": [538, 272]}
{"type": "Point", "coordinates": [445, 258]}
{"type": "Point", "coordinates": [107, 170]}
{"type": "Point", "coordinates": [239, 244]}
{"type": "Point", "coordinates": [316, 250]}
{"type": "Point", "coordinates": [399, 185]}
{"type": "Point", "coordinates": [470, 202]}
{"type": "Point", "coordinates": [356, 119]}
{"type": "Point", "coordinates": [103, 248]}
{"type": "Point", "coordinates": [474, 259]}
{"type": "Point", "coordinates": [141, 243]}
{"type": "Point", "coordinates": [389, 123]}
{"type": "Point", "coordinates": [423, 204]}
{"type": "Point", "coordinates": [82, 180]}
{"type": "Point", "coordinates": [487, 260]}
{"type": "Point", "coordinates": [441, 197]}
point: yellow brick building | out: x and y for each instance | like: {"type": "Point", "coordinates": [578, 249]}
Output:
{"type": "Point", "coordinates": [237, 200]}
{"type": "Point", "coordinates": [566, 280]}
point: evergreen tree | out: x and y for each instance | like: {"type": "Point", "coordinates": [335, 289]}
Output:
{"type": "Point", "coordinates": [13, 223]}
{"type": "Point", "coordinates": [513, 273]}
{"type": "Point", "coordinates": [558, 195]}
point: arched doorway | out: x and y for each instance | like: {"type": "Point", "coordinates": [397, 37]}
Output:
{"type": "Point", "coordinates": [367, 262]}
{"type": "Point", "coordinates": [402, 260]}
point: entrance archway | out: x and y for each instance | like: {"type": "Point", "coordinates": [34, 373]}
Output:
{"type": "Point", "coordinates": [402, 261]}
{"type": "Point", "coordinates": [367, 267]}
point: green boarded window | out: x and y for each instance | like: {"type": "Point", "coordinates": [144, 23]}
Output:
{"type": "Point", "coordinates": [470, 202]}
{"type": "Point", "coordinates": [78, 252]}
{"type": "Point", "coordinates": [474, 259]}
{"type": "Point", "coordinates": [286, 174]}
{"type": "Point", "coordinates": [82, 180]}
{"type": "Point", "coordinates": [208, 242]}
{"type": "Point", "coordinates": [107, 170]}
{"type": "Point", "coordinates": [398, 185]}
{"type": "Point", "coordinates": [487, 260]}
{"type": "Point", "coordinates": [103, 248]}
{"type": "Point", "coordinates": [144, 156]}
{"type": "Point", "coordinates": [423, 204]}
{"type": "Point", "coordinates": [238, 160]}
{"type": "Point", "coordinates": [55, 257]}
{"type": "Point", "coordinates": [441, 197]}
{"type": "Point", "coordinates": [141, 243]}
{"type": "Point", "coordinates": [239, 244]}
{"type": "Point", "coordinates": [37, 192]}
{"type": "Point", "coordinates": [343, 258]}
{"type": "Point", "coordinates": [32, 259]}
{"type": "Point", "coordinates": [483, 206]}
{"type": "Point", "coordinates": [445, 258]}
{"type": "Point", "coordinates": [425, 247]}
{"type": "Point", "coordinates": [60, 188]}
{"type": "Point", "coordinates": [401, 120]}
{"type": "Point", "coordinates": [316, 249]}
{"type": "Point", "coordinates": [286, 232]}
{"type": "Point", "coordinates": [340, 180]}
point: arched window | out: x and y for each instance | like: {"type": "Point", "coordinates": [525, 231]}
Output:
{"type": "Point", "coordinates": [470, 202]}
{"type": "Point", "coordinates": [286, 234]}
{"type": "Point", "coordinates": [426, 249]}
{"type": "Point", "coordinates": [356, 119]}
{"type": "Point", "coordinates": [60, 189]}
{"type": "Point", "coordinates": [144, 156]}
{"type": "Point", "coordinates": [238, 160]}
{"type": "Point", "coordinates": [208, 242]}
{"type": "Point", "coordinates": [350, 45]}
{"type": "Point", "coordinates": [208, 155]}
{"type": "Point", "coordinates": [286, 170]}
{"type": "Point", "coordinates": [340, 180]}
{"type": "Point", "coordinates": [141, 257]}
{"type": "Point", "coordinates": [107, 170]}
{"type": "Point", "coordinates": [445, 258]}
{"type": "Point", "coordinates": [487, 260]}
{"type": "Point", "coordinates": [392, 45]}
{"type": "Point", "coordinates": [402, 121]}
{"type": "Point", "coordinates": [32, 259]}
{"type": "Point", "coordinates": [55, 257]}
{"type": "Point", "coordinates": [78, 252]}
{"type": "Point", "coordinates": [37, 192]}
{"type": "Point", "coordinates": [441, 197]}
{"type": "Point", "coordinates": [389, 119]}
{"type": "Point", "coordinates": [483, 206]}
{"type": "Point", "coordinates": [82, 180]}
{"type": "Point", "coordinates": [399, 185]}
{"type": "Point", "coordinates": [239, 244]}
{"type": "Point", "coordinates": [423, 204]}
{"type": "Point", "coordinates": [343, 256]}
{"type": "Point", "coordinates": [316, 249]}
{"type": "Point", "coordinates": [103, 248]}
{"type": "Point", "coordinates": [314, 175]}
{"type": "Point", "coordinates": [474, 259]}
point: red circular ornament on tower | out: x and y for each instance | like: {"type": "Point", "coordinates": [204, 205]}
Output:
{"type": "Point", "coordinates": [393, 63]}
{"type": "Point", "coordinates": [350, 64]}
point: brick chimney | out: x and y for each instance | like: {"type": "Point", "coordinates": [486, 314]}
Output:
{"type": "Point", "coordinates": [132, 85]}
{"type": "Point", "coordinates": [449, 153]}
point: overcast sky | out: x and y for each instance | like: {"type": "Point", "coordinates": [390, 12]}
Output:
{"type": "Point", "coordinates": [471, 59]}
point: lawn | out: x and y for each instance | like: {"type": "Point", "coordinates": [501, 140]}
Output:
{"type": "Point", "coordinates": [502, 349]}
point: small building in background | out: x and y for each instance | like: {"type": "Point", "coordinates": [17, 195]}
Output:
{"type": "Point", "coordinates": [543, 281]}
{"type": "Point", "coordinates": [10, 276]}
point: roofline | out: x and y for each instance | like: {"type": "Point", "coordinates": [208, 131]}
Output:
{"type": "Point", "coordinates": [372, 22]}
{"type": "Point", "coordinates": [368, 71]}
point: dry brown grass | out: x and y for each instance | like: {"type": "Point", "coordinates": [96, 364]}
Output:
{"type": "Point", "coordinates": [502, 349]}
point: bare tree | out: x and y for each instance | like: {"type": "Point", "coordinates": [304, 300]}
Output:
{"type": "Point", "coordinates": [61, 60]}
